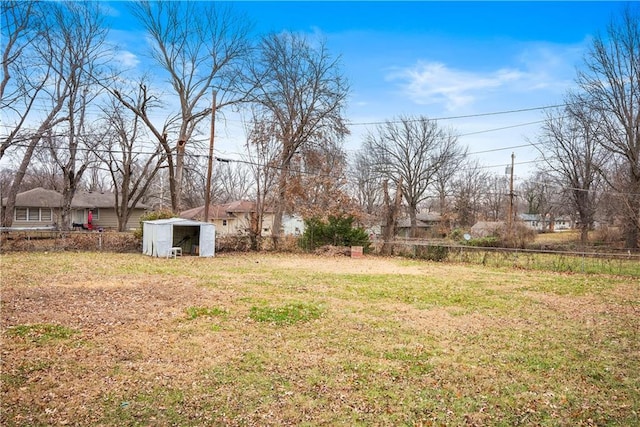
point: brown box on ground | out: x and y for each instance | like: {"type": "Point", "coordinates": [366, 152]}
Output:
{"type": "Point", "coordinates": [356, 251]}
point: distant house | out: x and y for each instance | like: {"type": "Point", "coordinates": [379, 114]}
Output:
{"type": "Point", "coordinates": [534, 221]}
{"type": "Point", "coordinates": [40, 208]}
{"type": "Point", "coordinates": [540, 223]}
{"type": "Point", "coordinates": [425, 223]}
{"type": "Point", "coordinates": [232, 218]}
{"type": "Point", "coordinates": [562, 223]}
{"type": "Point", "coordinates": [235, 219]}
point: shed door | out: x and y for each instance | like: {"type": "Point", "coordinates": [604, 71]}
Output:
{"type": "Point", "coordinates": [207, 240]}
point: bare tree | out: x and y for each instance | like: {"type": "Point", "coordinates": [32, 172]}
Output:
{"type": "Point", "coordinates": [200, 46]}
{"type": "Point", "coordinates": [445, 174]}
{"type": "Point", "coordinates": [81, 59]}
{"type": "Point", "coordinates": [263, 152]}
{"type": "Point", "coordinates": [22, 69]}
{"type": "Point", "coordinates": [32, 75]}
{"type": "Point", "coordinates": [412, 151]}
{"type": "Point", "coordinates": [366, 183]}
{"type": "Point", "coordinates": [611, 86]}
{"type": "Point", "coordinates": [302, 90]}
{"type": "Point", "coordinates": [131, 161]}
{"type": "Point", "coordinates": [544, 196]}
{"type": "Point", "coordinates": [571, 148]}
{"type": "Point", "coordinates": [496, 198]}
{"type": "Point", "coordinates": [469, 188]}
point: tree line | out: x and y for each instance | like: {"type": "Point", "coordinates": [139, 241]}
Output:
{"type": "Point", "coordinates": [76, 117]}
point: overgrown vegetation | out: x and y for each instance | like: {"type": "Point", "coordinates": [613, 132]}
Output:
{"type": "Point", "coordinates": [335, 231]}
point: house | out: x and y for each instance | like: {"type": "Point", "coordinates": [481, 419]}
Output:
{"type": "Point", "coordinates": [562, 223]}
{"type": "Point", "coordinates": [540, 223]}
{"type": "Point", "coordinates": [425, 223]}
{"type": "Point", "coordinates": [232, 218]}
{"type": "Point", "coordinates": [235, 218]}
{"type": "Point", "coordinates": [534, 221]}
{"type": "Point", "coordinates": [41, 208]}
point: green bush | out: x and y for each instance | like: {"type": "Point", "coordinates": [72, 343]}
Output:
{"type": "Point", "coordinates": [485, 242]}
{"type": "Point", "coordinates": [151, 216]}
{"type": "Point", "coordinates": [336, 231]}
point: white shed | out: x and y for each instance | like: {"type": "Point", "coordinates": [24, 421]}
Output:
{"type": "Point", "coordinates": [194, 237]}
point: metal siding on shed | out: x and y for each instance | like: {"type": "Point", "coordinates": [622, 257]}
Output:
{"type": "Point", "coordinates": [207, 240]}
{"type": "Point", "coordinates": [157, 239]}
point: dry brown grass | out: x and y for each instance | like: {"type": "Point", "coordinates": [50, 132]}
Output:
{"type": "Point", "coordinates": [398, 343]}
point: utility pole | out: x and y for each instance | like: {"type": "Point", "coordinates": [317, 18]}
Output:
{"type": "Point", "coordinates": [511, 196]}
{"type": "Point", "coordinates": [207, 194]}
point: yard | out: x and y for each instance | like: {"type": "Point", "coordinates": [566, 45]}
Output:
{"type": "Point", "coordinates": [265, 339]}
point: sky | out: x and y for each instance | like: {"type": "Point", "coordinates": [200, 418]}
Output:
{"type": "Point", "coordinates": [460, 63]}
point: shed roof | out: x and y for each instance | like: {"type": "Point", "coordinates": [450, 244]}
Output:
{"type": "Point", "coordinates": [178, 221]}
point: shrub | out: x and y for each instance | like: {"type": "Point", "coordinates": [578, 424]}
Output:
{"type": "Point", "coordinates": [336, 231]}
{"type": "Point", "coordinates": [485, 242]}
{"type": "Point", "coordinates": [151, 216]}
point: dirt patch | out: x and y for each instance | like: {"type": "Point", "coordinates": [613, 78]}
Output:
{"type": "Point", "coordinates": [96, 306]}
{"type": "Point", "coordinates": [346, 265]}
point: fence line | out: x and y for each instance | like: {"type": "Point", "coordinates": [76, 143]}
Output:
{"type": "Point", "coordinates": [554, 260]}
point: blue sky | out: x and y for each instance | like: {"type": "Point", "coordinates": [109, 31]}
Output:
{"type": "Point", "coordinates": [439, 59]}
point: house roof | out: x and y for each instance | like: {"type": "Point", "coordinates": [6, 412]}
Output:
{"type": "Point", "coordinates": [223, 211]}
{"type": "Point", "coordinates": [423, 220]}
{"type": "Point", "coordinates": [40, 197]}
{"type": "Point", "coordinates": [529, 217]}
{"type": "Point", "coordinates": [37, 197]}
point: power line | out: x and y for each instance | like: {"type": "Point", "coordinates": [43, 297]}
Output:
{"type": "Point", "coordinates": [502, 128]}
{"type": "Point", "coordinates": [467, 116]}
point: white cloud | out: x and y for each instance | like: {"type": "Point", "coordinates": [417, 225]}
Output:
{"type": "Point", "coordinates": [434, 82]}
{"type": "Point", "coordinates": [127, 59]}
{"type": "Point", "coordinates": [539, 71]}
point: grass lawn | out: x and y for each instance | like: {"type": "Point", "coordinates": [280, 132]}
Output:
{"type": "Point", "coordinates": [262, 339]}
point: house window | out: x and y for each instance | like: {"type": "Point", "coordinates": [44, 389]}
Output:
{"type": "Point", "coordinates": [33, 214]}
{"type": "Point", "coordinates": [21, 214]}
{"type": "Point", "coordinates": [95, 212]}
{"type": "Point", "coordinates": [224, 222]}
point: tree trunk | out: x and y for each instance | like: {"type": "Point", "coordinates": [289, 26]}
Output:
{"type": "Point", "coordinates": [391, 215]}
{"type": "Point", "coordinates": [7, 219]}
{"type": "Point", "coordinates": [280, 207]}
{"type": "Point", "coordinates": [176, 191]}
{"type": "Point", "coordinates": [414, 221]}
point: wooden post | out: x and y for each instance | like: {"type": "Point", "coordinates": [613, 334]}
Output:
{"type": "Point", "coordinates": [207, 194]}
{"type": "Point", "coordinates": [511, 195]}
